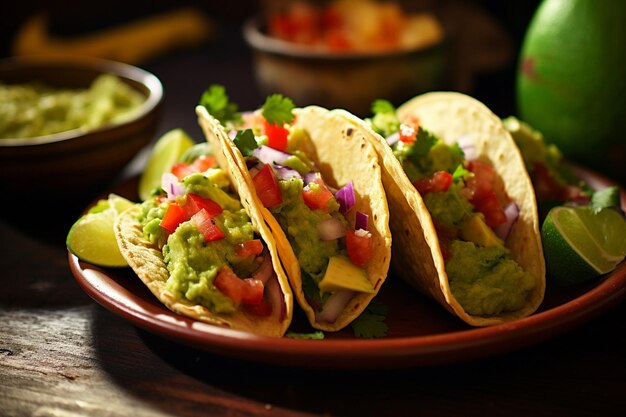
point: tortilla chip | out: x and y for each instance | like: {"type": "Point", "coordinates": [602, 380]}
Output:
{"type": "Point", "coordinates": [342, 153]}
{"type": "Point", "coordinates": [147, 262]}
{"type": "Point", "coordinates": [417, 256]}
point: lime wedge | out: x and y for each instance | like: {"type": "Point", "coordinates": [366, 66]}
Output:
{"type": "Point", "coordinates": [579, 245]}
{"type": "Point", "coordinates": [92, 238]}
{"type": "Point", "coordinates": [167, 150]}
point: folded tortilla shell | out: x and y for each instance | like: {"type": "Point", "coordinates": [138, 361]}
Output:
{"type": "Point", "coordinates": [146, 260]}
{"type": "Point", "coordinates": [417, 256]}
{"type": "Point", "coordinates": [341, 153]}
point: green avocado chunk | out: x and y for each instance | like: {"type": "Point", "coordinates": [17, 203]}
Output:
{"type": "Point", "coordinates": [342, 274]}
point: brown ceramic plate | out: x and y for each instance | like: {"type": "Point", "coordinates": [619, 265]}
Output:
{"type": "Point", "coordinates": [420, 331]}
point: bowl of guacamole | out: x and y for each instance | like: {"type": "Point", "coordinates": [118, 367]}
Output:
{"type": "Point", "coordinates": [67, 126]}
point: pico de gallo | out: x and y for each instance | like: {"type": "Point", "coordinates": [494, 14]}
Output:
{"type": "Point", "coordinates": [331, 251]}
{"type": "Point", "coordinates": [211, 249]}
{"type": "Point", "coordinates": [470, 209]}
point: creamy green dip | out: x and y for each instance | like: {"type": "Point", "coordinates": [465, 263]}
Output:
{"type": "Point", "coordinates": [192, 262]}
{"type": "Point", "coordinates": [35, 109]}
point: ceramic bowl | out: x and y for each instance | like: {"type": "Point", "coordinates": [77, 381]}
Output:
{"type": "Point", "coordinates": [75, 160]}
{"type": "Point", "coordinates": [342, 80]}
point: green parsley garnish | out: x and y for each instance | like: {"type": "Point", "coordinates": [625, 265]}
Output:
{"type": "Point", "coordinates": [371, 323]}
{"type": "Point", "coordinates": [608, 197]}
{"type": "Point", "coordinates": [459, 173]}
{"type": "Point", "coordinates": [277, 109]}
{"type": "Point", "coordinates": [216, 101]}
{"type": "Point", "coordinates": [245, 141]}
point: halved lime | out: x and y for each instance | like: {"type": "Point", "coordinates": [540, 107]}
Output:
{"type": "Point", "coordinates": [167, 150]}
{"type": "Point", "coordinates": [92, 238]}
{"type": "Point", "coordinates": [579, 245]}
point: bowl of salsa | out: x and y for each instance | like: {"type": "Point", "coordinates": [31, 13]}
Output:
{"type": "Point", "coordinates": [346, 53]}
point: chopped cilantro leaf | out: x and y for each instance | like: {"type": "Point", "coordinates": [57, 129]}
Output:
{"type": "Point", "coordinates": [420, 148]}
{"type": "Point", "coordinates": [608, 197]}
{"type": "Point", "coordinates": [245, 141]}
{"type": "Point", "coordinates": [371, 323]}
{"type": "Point", "coordinates": [459, 173]}
{"type": "Point", "coordinates": [277, 109]}
{"type": "Point", "coordinates": [317, 335]}
{"type": "Point", "coordinates": [216, 101]}
{"type": "Point", "coordinates": [382, 106]}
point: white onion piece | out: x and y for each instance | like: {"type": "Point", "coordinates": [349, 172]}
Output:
{"type": "Point", "coordinates": [311, 177]}
{"type": "Point", "coordinates": [334, 306]}
{"type": "Point", "coordinates": [466, 143]}
{"type": "Point", "coordinates": [265, 270]}
{"type": "Point", "coordinates": [331, 229]}
{"type": "Point", "coordinates": [269, 155]}
{"type": "Point", "coordinates": [232, 134]}
{"type": "Point", "coordinates": [511, 211]}
{"type": "Point", "coordinates": [275, 296]}
{"type": "Point", "coordinates": [171, 185]}
{"type": "Point", "coordinates": [393, 138]}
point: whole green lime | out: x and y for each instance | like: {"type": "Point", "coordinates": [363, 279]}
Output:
{"type": "Point", "coordinates": [570, 81]}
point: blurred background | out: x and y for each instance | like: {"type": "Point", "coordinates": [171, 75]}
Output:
{"type": "Point", "coordinates": [192, 44]}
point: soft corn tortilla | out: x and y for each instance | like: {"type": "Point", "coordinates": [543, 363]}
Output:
{"type": "Point", "coordinates": [147, 262]}
{"type": "Point", "coordinates": [417, 255]}
{"type": "Point", "coordinates": [342, 153]}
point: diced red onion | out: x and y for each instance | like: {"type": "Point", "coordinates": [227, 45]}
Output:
{"type": "Point", "coordinates": [361, 221]}
{"type": "Point", "coordinates": [391, 140]}
{"type": "Point", "coordinates": [265, 270]}
{"type": "Point", "coordinates": [346, 198]}
{"type": "Point", "coordinates": [331, 229]}
{"type": "Point", "coordinates": [467, 145]}
{"type": "Point", "coordinates": [511, 211]}
{"type": "Point", "coordinates": [334, 306]}
{"type": "Point", "coordinates": [171, 185]}
{"type": "Point", "coordinates": [311, 177]}
{"type": "Point", "coordinates": [232, 134]}
{"type": "Point", "coordinates": [286, 173]}
{"type": "Point", "coordinates": [269, 155]}
{"type": "Point", "coordinates": [275, 295]}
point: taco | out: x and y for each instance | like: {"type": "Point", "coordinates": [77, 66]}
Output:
{"type": "Point", "coordinates": [202, 248]}
{"type": "Point", "coordinates": [318, 184]}
{"type": "Point", "coordinates": [464, 215]}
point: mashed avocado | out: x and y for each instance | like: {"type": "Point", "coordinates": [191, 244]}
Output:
{"type": "Point", "coordinates": [193, 262]}
{"type": "Point", "coordinates": [300, 225]}
{"type": "Point", "coordinates": [448, 208]}
{"type": "Point", "coordinates": [486, 280]}
{"type": "Point", "coordinates": [35, 109]}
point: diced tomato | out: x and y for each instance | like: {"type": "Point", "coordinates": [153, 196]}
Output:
{"type": "Point", "coordinates": [439, 181]}
{"type": "Point", "coordinates": [483, 194]}
{"type": "Point", "coordinates": [174, 215]}
{"type": "Point", "coordinates": [201, 164]}
{"type": "Point", "coordinates": [249, 248]}
{"type": "Point", "coordinates": [407, 133]}
{"type": "Point", "coordinates": [316, 197]}
{"type": "Point", "coordinates": [359, 246]}
{"type": "Point", "coordinates": [262, 309]}
{"type": "Point", "coordinates": [490, 207]}
{"type": "Point", "coordinates": [267, 187]}
{"type": "Point", "coordinates": [181, 170]}
{"type": "Point", "coordinates": [276, 135]}
{"type": "Point", "coordinates": [246, 291]}
{"type": "Point", "coordinates": [206, 225]}
{"type": "Point", "coordinates": [195, 203]}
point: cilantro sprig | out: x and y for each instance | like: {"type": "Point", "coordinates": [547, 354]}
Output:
{"type": "Point", "coordinates": [605, 198]}
{"type": "Point", "coordinates": [217, 103]}
{"type": "Point", "coordinates": [384, 119]}
{"type": "Point", "coordinates": [277, 109]}
{"type": "Point", "coordinates": [371, 323]}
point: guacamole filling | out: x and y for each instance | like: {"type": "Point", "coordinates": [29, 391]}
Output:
{"type": "Point", "coordinates": [307, 209]}
{"type": "Point", "coordinates": [194, 260]}
{"type": "Point", "coordinates": [466, 203]}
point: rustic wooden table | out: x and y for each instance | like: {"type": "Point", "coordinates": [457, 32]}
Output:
{"type": "Point", "coordinates": [62, 354]}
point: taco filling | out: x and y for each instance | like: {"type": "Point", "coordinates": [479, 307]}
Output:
{"type": "Point", "coordinates": [210, 247]}
{"type": "Point", "coordinates": [470, 210]}
{"type": "Point", "coordinates": [332, 251]}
